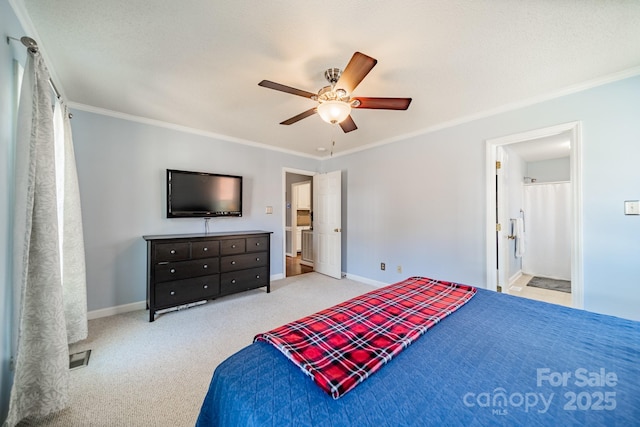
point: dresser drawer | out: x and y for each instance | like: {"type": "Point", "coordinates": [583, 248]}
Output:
{"type": "Point", "coordinates": [255, 244]}
{"type": "Point", "coordinates": [240, 262]}
{"type": "Point", "coordinates": [178, 292]}
{"type": "Point", "coordinates": [185, 269]}
{"type": "Point", "coordinates": [172, 251]}
{"type": "Point", "coordinates": [243, 280]}
{"type": "Point", "coordinates": [232, 246]}
{"type": "Point", "coordinates": [205, 249]}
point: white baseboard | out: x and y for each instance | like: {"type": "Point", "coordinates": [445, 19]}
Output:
{"type": "Point", "coordinates": [365, 280]}
{"type": "Point", "coordinates": [104, 312]}
{"type": "Point", "coordinates": [515, 277]}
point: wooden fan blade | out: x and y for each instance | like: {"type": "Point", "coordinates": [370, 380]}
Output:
{"type": "Point", "coordinates": [287, 89]}
{"type": "Point", "coordinates": [355, 71]}
{"type": "Point", "coordinates": [383, 103]}
{"type": "Point", "coordinates": [299, 117]}
{"type": "Point", "coordinates": [348, 125]}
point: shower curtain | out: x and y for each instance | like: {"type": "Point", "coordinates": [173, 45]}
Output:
{"type": "Point", "coordinates": [547, 208]}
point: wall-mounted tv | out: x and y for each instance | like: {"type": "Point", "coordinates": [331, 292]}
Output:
{"type": "Point", "coordinates": [203, 195]}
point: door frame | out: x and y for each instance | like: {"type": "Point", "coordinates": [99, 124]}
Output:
{"type": "Point", "coordinates": [285, 171]}
{"type": "Point", "coordinates": [502, 248]}
{"type": "Point", "coordinates": [575, 131]}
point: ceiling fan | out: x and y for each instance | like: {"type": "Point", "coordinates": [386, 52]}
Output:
{"type": "Point", "coordinates": [335, 101]}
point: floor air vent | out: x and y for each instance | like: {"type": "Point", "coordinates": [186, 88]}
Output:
{"type": "Point", "coordinates": [79, 360]}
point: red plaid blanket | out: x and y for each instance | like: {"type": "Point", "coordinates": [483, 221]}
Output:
{"type": "Point", "coordinates": [341, 346]}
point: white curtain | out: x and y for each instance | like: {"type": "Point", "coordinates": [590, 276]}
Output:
{"type": "Point", "coordinates": [547, 230]}
{"type": "Point", "coordinates": [70, 229]}
{"type": "Point", "coordinates": [42, 288]}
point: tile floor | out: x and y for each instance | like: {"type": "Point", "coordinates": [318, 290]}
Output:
{"type": "Point", "coordinates": [520, 288]}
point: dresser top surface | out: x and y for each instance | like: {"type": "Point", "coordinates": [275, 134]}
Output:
{"type": "Point", "coordinates": [204, 235]}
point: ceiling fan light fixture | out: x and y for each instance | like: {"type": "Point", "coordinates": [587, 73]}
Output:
{"type": "Point", "coordinates": [334, 111]}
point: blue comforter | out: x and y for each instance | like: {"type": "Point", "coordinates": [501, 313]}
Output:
{"type": "Point", "coordinates": [499, 360]}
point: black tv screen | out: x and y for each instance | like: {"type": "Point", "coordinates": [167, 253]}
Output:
{"type": "Point", "coordinates": [201, 194]}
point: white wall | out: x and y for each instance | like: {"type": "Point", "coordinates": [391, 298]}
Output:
{"type": "Point", "coordinates": [121, 172]}
{"type": "Point", "coordinates": [420, 203]}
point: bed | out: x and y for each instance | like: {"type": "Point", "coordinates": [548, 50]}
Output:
{"type": "Point", "coordinates": [496, 360]}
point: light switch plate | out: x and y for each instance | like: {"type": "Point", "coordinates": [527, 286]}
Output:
{"type": "Point", "coordinates": [632, 207]}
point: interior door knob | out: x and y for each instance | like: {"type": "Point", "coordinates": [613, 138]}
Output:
{"type": "Point", "coordinates": [337, 230]}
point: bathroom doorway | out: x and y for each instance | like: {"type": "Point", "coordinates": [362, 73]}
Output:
{"type": "Point", "coordinates": [522, 210]}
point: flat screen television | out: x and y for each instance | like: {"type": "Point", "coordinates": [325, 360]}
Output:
{"type": "Point", "coordinates": [203, 195]}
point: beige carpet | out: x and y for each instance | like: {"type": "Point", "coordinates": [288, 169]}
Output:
{"type": "Point", "coordinates": [157, 374]}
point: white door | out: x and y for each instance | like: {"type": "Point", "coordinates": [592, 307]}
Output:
{"type": "Point", "coordinates": [327, 224]}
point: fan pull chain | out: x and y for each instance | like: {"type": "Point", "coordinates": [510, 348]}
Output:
{"type": "Point", "coordinates": [333, 138]}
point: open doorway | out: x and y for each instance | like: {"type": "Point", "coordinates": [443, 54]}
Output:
{"type": "Point", "coordinates": [298, 226]}
{"type": "Point", "coordinates": [533, 221]}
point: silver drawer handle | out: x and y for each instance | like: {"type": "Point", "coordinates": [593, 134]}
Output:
{"type": "Point", "coordinates": [172, 292]}
{"type": "Point", "coordinates": [257, 276]}
{"type": "Point", "coordinates": [257, 259]}
{"type": "Point", "coordinates": [233, 246]}
{"type": "Point", "coordinates": [173, 251]}
{"type": "Point", "coordinates": [205, 249]}
{"type": "Point", "coordinates": [205, 266]}
{"type": "Point", "coordinates": [233, 281]}
{"type": "Point", "coordinates": [258, 244]}
{"type": "Point", "coordinates": [233, 263]}
{"type": "Point", "coordinates": [206, 286]}
{"type": "Point", "coordinates": [173, 270]}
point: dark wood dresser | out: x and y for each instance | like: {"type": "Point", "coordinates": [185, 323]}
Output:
{"type": "Point", "coordinates": [187, 268]}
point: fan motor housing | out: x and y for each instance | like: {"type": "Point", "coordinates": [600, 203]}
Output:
{"type": "Point", "coordinates": [332, 75]}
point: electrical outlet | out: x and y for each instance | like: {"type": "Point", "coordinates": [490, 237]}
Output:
{"type": "Point", "coordinates": [399, 269]}
{"type": "Point", "coordinates": [383, 266]}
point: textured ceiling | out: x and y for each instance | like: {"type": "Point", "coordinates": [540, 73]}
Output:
{"type": "Point", "coordinates": [197, 64]}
